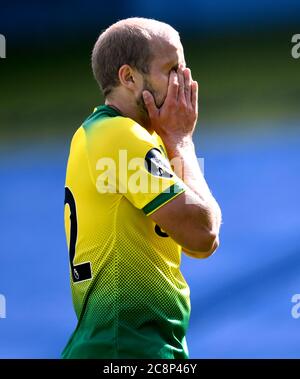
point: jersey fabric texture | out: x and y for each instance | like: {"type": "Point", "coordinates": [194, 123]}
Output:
{"type": "Point", "coordinates": [129, 295]}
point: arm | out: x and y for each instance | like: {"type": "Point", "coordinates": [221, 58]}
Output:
{"type": "Point", "coordinates": [193, 218]}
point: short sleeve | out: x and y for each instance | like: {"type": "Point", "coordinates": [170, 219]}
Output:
{"type": "Point", "coordinates": [126, 159]}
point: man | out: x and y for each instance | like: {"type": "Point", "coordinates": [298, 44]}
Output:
{"type": "Point", "coordinates": [128, 213]}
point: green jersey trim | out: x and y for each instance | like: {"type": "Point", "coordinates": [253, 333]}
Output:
{"type": "Point", "coordinates": [103, 111]}
{"type": "Point", "coordinates": [163, 198]}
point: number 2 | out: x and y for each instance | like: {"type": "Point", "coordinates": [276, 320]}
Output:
{"type": "Point", "coordinates": [81, 271]}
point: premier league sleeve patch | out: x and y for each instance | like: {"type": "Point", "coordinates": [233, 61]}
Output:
{"type": "Point", "coordinates": [157, 164]}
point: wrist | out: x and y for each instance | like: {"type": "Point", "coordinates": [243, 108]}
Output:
{"type": "Point", "coordinates": [179, 147]}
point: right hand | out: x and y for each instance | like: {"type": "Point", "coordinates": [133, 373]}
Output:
{"type": "Point", "coordinates": [175, 121]}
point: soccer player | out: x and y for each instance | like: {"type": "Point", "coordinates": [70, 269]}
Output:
{"type": "Point", "coordinates": [135, 198]}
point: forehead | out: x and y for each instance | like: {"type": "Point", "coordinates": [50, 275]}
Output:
{"type": "Point", "coordinates": [167, 52]}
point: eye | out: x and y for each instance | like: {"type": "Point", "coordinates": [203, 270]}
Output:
{"type": "Point", "coordinates": [174, 68]}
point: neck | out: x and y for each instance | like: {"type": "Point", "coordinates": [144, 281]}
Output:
{"type": "Point", "coordinates": [128, 110]}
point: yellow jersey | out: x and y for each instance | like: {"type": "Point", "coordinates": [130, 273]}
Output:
{"type": "Point", "coordinates": [129, 295]}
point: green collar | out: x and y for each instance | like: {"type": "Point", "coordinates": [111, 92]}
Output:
{"type": "Point", "coordinates": [101, 112]}
{"type": "Point", "coordinates": [108, 110]}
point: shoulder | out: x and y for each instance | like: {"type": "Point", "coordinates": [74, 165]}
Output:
{"type": "Point", "coordinates": [118, 130]}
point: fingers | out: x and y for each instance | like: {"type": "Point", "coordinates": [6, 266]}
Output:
{"type": "Point", "coordinates": [150, 104]}
{"type": "Point", "coordinates": [187, 85]}
{"type": "Point", "coordinates": [173, 86]}
{"type": "Point", "coordinates": [194, 96]}
{"type": "Point", "coordinates": [181, 90]}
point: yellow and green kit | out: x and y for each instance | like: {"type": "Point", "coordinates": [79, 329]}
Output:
{"type": "Point", "coordinates": [129, 295]}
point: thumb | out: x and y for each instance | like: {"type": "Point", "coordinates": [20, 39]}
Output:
{"type": "Point", "coordinates": [150, 104]}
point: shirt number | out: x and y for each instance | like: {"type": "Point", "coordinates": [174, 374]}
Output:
{"type": "Point", "coordinates": [82, 271]}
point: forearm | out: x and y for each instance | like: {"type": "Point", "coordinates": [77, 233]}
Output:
{"type": "Point", "coordinates": [186, 166]}
{"type": "Point", "coordinates": [175, 122]}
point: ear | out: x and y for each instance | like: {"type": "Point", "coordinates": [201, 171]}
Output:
{"type": "Point", "coordinates": [126, 76]}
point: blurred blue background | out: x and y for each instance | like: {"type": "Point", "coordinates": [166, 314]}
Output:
{"type": "Point", "coordinates": [248, 133]}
